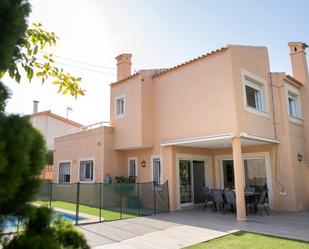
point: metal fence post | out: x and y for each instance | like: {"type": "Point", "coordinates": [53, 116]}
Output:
{"type": "Point", "coordinates": [120, 204]}
{"type": "Point", "coordinates": [50, 193]}
{"type": "Point", "coordinates": [168, 197]}
{"type": "Point", "coordinates": [100, 198]}
{"type": "Point", "coordinates": [139, 201]}
{"type": "Point", "coordinates": [154, 198]}
{"type": "Point", "coordinates": [77, 204]}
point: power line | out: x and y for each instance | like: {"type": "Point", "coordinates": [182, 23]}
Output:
{"type": "Point", "coordinates": [80, 62]}
{"type": "Point", "coordinates": [82, 68]}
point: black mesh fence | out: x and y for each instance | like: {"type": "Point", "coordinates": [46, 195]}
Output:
{"type": "Point", "coordinates": [96, 202]}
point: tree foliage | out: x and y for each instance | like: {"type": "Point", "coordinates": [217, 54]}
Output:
{"type": "Point", "coordinates": [35, 62]}
{"type": "Point", "coordinates": [22, 157]}
{"type": "Point", "coordinates": [42, 232]}
{"type": "Point", "coordinates": [13, 14]}
{"type": "Point", "coordinates": [22, 147]}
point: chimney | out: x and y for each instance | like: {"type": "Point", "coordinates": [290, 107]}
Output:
{"type": "Point", "coordinates": [35, 106]}
{"type": "Point", "coordinates": [123, 66]}
{"type": "Point", "coordinates": [299, 61]}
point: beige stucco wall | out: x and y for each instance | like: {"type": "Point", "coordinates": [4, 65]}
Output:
{"type": "Point", "coordinates": [195, 100]}
{"type": "Point", "coordinates": [84, 145]}
{"type": "Point", "coordinates": [255, 61]}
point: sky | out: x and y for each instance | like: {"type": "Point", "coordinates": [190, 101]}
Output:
{"type": "Point", "coordinates": [159, 34]}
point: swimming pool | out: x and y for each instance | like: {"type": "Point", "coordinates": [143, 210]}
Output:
{"type": "Point", "coordinates": [12, 222]}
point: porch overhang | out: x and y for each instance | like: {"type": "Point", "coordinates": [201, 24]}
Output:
{"type": "Point", "coordinates": [219, 141]}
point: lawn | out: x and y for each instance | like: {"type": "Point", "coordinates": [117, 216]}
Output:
{"type": "Point", "coordinates": [245, 240]}
{"type": "Point", "coordinates": [107, 214]}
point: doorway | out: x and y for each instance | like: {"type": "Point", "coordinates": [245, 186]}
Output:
{"type": "Point", "coordinates": [191, 182]}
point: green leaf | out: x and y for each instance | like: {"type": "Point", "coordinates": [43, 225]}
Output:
{"type": "Point", "coordinates": [17, 77]}
{"type": "Point", "coordinates": [35, 51]}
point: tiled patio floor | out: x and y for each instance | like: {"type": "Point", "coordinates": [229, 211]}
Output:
{"type": "Point", "coordinates": [179, 229]}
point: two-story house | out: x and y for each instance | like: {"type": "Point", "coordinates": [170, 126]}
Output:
{"type": "Point", "coordinates": [50, 126]}
{"type": "Point", "coordinates": [223, 120]}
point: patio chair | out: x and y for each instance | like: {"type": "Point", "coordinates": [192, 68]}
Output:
{"type": "Point", "coordinates": [218, 200]}
{"type": "Point", "coordinates": [230, 198]}
{"type": "Point", "coordinates": [261, 203]}
{"type": "Point", "coordinates": [250, 189]}
{"type": "Point", "coordinates": [208, 197]}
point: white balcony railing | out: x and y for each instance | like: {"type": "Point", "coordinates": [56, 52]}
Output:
{"type": "Point", "coordinates": [84, 128]}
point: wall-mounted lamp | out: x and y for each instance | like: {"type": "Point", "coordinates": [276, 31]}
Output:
{"type": "Point", "coordinates": [99, 143]}
{"type": "Point", "coordinates": [300, 157]}
{"type": "Point", "coordinates": [143, 163]}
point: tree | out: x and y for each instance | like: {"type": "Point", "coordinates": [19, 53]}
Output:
{"type": "Point", "coordinates": [41, 232]}
{"type": "Point", "coordinates": [33, 41]}
{"type": "Point", "coordinates": [22, 46]}
{"type": "Point", "coordinates": [22, 147]}
{"type": "Point", "coordinates": [22, 158]}
{"type": "Point", "coordinates": [13, 25]}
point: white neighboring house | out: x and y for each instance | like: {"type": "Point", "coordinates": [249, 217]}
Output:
{"type": "Point", "coordinates": [52, 125]}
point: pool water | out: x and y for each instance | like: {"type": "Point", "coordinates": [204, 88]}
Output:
{"type": "Point", "coordinates": [12, 222]}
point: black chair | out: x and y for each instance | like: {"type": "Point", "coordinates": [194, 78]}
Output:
{"type": "Point", "coordinates": [218, 200]}
{"type": "Point", "coordinates": [208, 196]}
{"type": "Point", "coordinates": [261, 203]}
{"type": "Point", "coordinates": [250, 201]}
{"type": "Point", "coordinates": [230, 198]}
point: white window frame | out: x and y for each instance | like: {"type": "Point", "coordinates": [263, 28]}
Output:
{"type": "Point", "coordinates": [208, 174]}
{"type": "Point", "coordinates": [93, 173]}
{"type": "Point", "coordinates": [161, 165]}
{"type": "Point", "coordinates": [259, 84]}
{"type": "Point", "coordinates": [294, 93]}
{"type": "Point", "coordinates": [65, 161]}
{"type": "Point", "coordinates": [120, 115]}
{"type": "Point", "coordinates": [136, 166]}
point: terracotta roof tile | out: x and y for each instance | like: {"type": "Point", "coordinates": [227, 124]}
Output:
{"type": "Point", "coordinates": [293, 79]}
{"type": "Point", "coordinates": [53, 115]}
{"type": "Point", "coordinates": [191, 61]}
{"type": "Point", "coordinates": [160, 71]}
{"type": "Point", "coordinates": [125, 79]}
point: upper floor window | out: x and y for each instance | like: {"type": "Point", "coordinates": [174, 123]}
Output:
{"type": "Point", "coordinates": [255, 94]}
{"type": "Point", "coordinates": [254, 97]}
{"type": "Point", "coordinates": [294, 104]}
{"type": "Point", "coordinates": [120, 105]}
{"type": "Point", "coordinates": [64, 172]}
{"type": "Point", "coordinates": [86, 170]}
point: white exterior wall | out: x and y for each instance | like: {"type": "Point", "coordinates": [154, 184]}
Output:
{"type": "Point", "coordinates": [51, 128]}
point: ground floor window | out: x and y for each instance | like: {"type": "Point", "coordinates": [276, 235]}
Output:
{"type": "Point", "coordinates": [156, 170]}
{"type": "Point", "coordinates": [86, 170]}
{"type": "Point", "coordinates": [64, 172]}
{"type": "Point", "coordinates": [132, 168]}
{"type": "Point", "coordinates": [255, 174]}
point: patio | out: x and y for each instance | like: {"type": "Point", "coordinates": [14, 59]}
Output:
{"type": "Point", "coordinates": [184, 228]}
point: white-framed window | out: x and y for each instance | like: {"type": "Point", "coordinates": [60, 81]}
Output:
{"type": "Point", "coordinates": [120, 106]}
{"type": "Point", "coordinates": [86, 168]}
{"type": "Point", "coordinates": [255, 94]}
{"type": "Point", "coordinates": [293, 103]}
{"type": "Point", "coordinates": [64, 172]}
{"type": "Point", "coordinates": [254, 97]}
{"type": "Point", "coordinates": [132, 167]}
{"type": "Point", "coordinates": [156, 170]}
